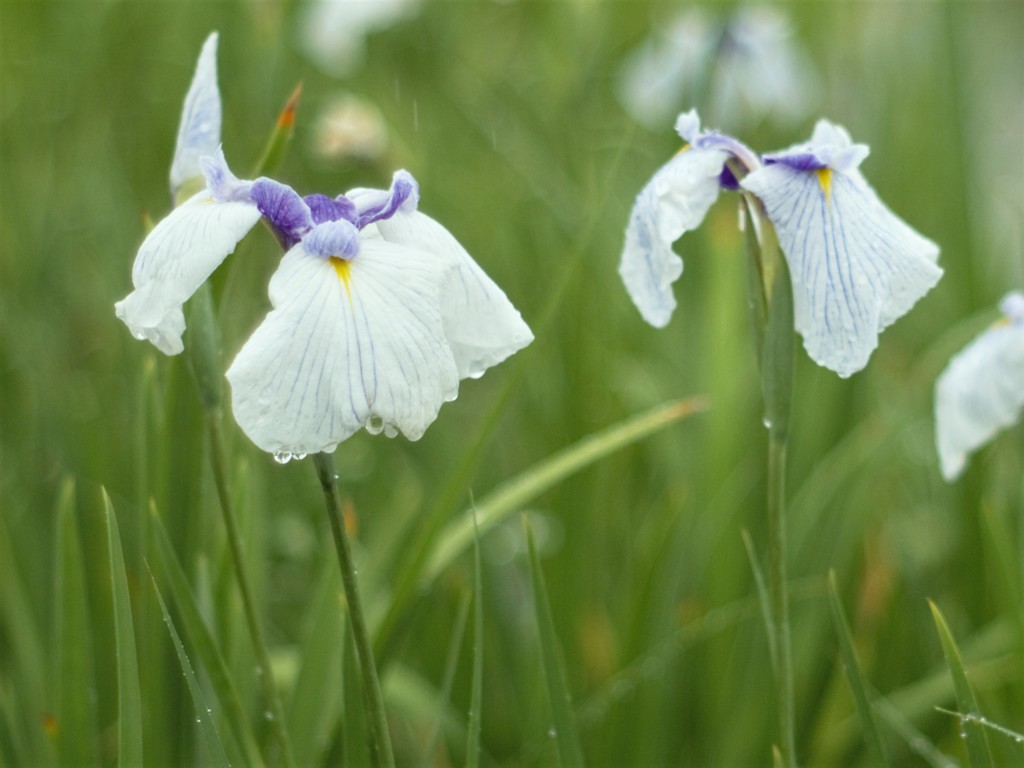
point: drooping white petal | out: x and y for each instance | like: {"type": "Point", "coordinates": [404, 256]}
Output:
{"type": "Point", "coordinates": [174, 260]}
{"type": "Point", "coordinates": [349, 344]}
{"type": "Point", "coordinates": [855, 266]}
{"type": "Point", "coordinates": [674, 201]}
{"type": "Point", "coordinates": [980, 392]}
{"type": "Point", "coordinates": [199, 129]}
{"type": "Point", "coordinates": [480, 323]}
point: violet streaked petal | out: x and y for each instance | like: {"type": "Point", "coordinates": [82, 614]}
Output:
{"type": "Point", "coordinates": [199, 127]}
{"type": "Point", "coordinates": [348, 345]}
{"type": "Point", "coordinates": [333, 238]}
{"type": "Point", "coordinates": [288, 214]}
{"type": "Point", "coordinates": [175, 259]}
{"type": "Point", "coordinates": [855, 266]}
{"type": "Point", "coordinates": [222, 183]}
{"type": "Point", "coordinates": [674, 201]}
{"type": "Point", "coordinates": [481, 325]}
{"type": "Point", "coordinates": [326, 208]}
{"type": "Point", "coordinates": [376, 204]}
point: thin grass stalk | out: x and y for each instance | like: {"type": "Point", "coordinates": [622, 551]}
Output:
{"type": "Point", "coordinates": [771, 302]}
{"type": "Point", "coordinates": [218, 461]}
{"type": "Point", "coordinates": [381, 739]}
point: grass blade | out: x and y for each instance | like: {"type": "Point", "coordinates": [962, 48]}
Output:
{"type": "Point", "coordinates": [225, 694]}
{"type": "Point", "coordinates": [315, 704]}
{"type": "Point", "coordinates": [854, 674]}
{"type": "Point", "coordinates": [477, 684]}
{"type": "Point", "coordinates": [129, 694]}
{"type": "Point", "coordinates": [567, 741]}
{"type": "Point", "coordinates": [204, 713]}
{"type": "Point", "coordinates": [979, 754]}
{"type": "Point", "coordinates": [444, 695]}
{"type": "Point", "coordinates": [511, 495]}
{"type": "Point", "coordinates": [75, 686]}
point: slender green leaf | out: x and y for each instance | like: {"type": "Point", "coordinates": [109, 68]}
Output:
{"type": "Point", "coordinates": [225, 694]}
{"type": "Point", "coordinates": [27, 653]}
{"type": "Point", "coordinates": [280, 137]}
{"type": "Point", "coordinates": [477, 683]}
{"type": "Point", "coordinates": [129, 694]}
{"type": "Point", "coordinates": [854, 674]}
{"type": "Point", "coordinates": [978, 752]}
{"type": "Point", "coordinates": [443, 698]}
{"type": "Point", "coordinates": [315, 704]}
{"type": "Point", "coordinates": [511, 495]}
{"type": "Point", "coordinates": [567, 742]}
{"type": "Point", "coordinates": [75, 685]}
{"type": "Point", "coordinates": [204, 712]}
{"type": "Point", "coordinates": [763, 598]}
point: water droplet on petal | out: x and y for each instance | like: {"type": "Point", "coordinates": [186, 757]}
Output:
{"type": "Point", "coordinates": [390, 430]}
{"type": "Point", "coordinates": [375, 425]}
{"type": "Point", "coordinates": [282, 457]}
{"type": "Point", "coordinates": [299, 456]}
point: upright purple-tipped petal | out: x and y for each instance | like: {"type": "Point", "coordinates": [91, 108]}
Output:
{"type": "Point", "coordinates": [199, 129]}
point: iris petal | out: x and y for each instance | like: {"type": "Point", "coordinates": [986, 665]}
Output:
{"type": "Point", "coordinates": [980, 392]}
{"type": "Point", "coordinates": [856, 267]}
{"type": "Point", "coordinates": [174, 260]}
{"type": "Point", "coordinates": [199, 129]}
{"type": "Point", "coordinates": [674, 201]}
{"type": "Point", "coordinates": [480, 323]}
{"type": "Point", "coordinates": [349, 344]}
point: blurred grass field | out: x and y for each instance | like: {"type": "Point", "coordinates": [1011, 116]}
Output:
{"type": "Point", "coordinates": [505, 113]}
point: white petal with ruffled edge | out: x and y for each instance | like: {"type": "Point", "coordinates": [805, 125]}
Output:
{"type": "Point", "coordinates": [174, 260]}
{"type": "Point", "coordinates": [199, 129]}
{"type": "Point", "coordinates": [856, 267]}
{"type": "Point", "coordinates": [674, 201]}
{"type": "Point", "coordinates": [480, 323]}
{"type": "Point", "coordinates": [979, 393]}
{"type": "Point", "coordinates": [347, 345]}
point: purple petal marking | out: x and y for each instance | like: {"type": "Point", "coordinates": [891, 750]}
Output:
{"type": "Point", "coordinates": [378, 204]}
{"type": "Point", "coordinates": [225, 186]}
{"type": "Point", "coordinates": [798, 161]}
{"type": "Point", "coordinates": [727, 180]}
{"type": "Point", "coordinates": [333, 238]}
{"type": "Point", "coordinates": [289, 215]}
{"type": "Point", "coordinates": [326, 208]}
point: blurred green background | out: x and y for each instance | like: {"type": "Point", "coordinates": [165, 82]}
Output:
{"type": "Point", "coordinates": [506, 113]}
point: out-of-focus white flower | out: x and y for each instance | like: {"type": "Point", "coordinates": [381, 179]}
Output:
{"type": "Point", "coordinates": [743, 70]}
{"type": "Point", "coordinates": [351, 127]}
{"type": "Point", "coordinates": [199, 127]}
{"type": "Point", "coordinates": [333, 32]}
{"type": "Point", "coordinates": [855, 266]}
{"type": "Point", "coordinates": [981, 391]}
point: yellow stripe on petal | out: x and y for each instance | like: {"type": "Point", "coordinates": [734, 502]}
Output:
{"type": "Point", "coordinates": [344, 270]}
{"type": "Point", "coordinates": [825, 182]}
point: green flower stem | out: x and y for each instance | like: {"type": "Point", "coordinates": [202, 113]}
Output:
{"type": "Point", "coordinates": [218, 460]}
{"type": "Point", "coordinates": [777, 585]}
{"type": "Point", "coordinates": [772, 308]}
{"type": "Point", "coordinates": [371, 683]}
{"type": "Point", "coordinates": [204, 357]}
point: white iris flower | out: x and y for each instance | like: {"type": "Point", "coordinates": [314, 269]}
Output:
{"type": "Point", "coordinates": [378, 311]}
{"type": "Point", "coordinates": [855, 266]}
{"type": "Point", "coordinates": [981, 391]}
